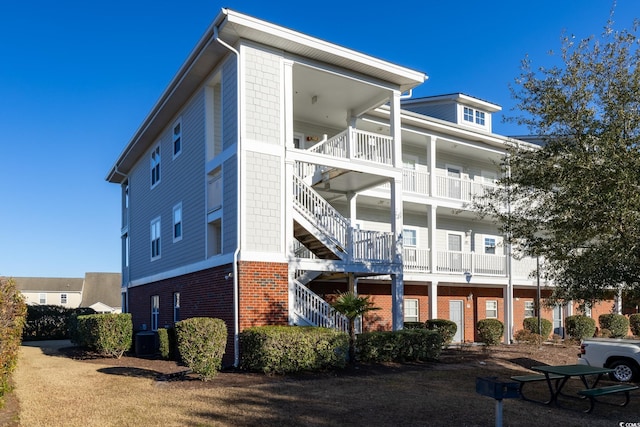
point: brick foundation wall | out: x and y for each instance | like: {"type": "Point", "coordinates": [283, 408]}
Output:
{"type": "Point", "coordinates": [264, 294]}
{"type": "Point", "coordinates": [207, 293]}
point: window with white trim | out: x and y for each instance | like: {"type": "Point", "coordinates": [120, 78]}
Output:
{"type": "Point", "coordinates": [42, 298]}
{"type": "Point", "coordinates": [474, 116]}
{"type": "Point", "coordinates": [491, 307]}
{"type": "Point", "coordinates": [529, 309]}
{"type": "Point", "coordinates": [155, 166]}
{"type": "Point", "coordinates": [490, 245]}
{"type": "Point", "coordinates": [155, 311]}
{"type": "Point", "coordinates": [155, 238]}
{"type": "Point", "coordinates": [176, 307]}
{"type": "Point", "coordinates": [411, 311]}
{"type": "Point", "coordinates": [177, 138]}
{"type": "Point", "coordinates": [63, 299]}
{"type": "Point", "coordinates": [410, 243]}
{"type": "Point", "coordinates": [177, 222]}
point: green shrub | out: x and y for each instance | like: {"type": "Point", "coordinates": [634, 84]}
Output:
{"type": "Point", "coordinates": [108, 334]}
{"type": "Point", "coordinates": [167, 343]}
{"type": "Point", "coordinates": [490, 331]}
{"type": "Point", "coordinates": [617, 324]}
{"type": "Point", "coordinates": [74, 334]}
{"type": "Point", "coordinates": [399, 346]}
{"type": "Point", "coordinates": [447, 328]}
{"type": "Point", "coordinates": [201, 344]}
{"type": "Point", "coordinates": [413, 325]}
{"type": "Point", "coordinates": [528, 337]}
{"type": "Point", "coordinates": [531, 324]}
{"type": "Point", "coordinates": [283, 349]}
{"type": "Point", "coordinates": [13, 311]}
{"type": "Point", "coordinates": [580, 327]}
{"type": "Point", "coordinates": [46, 322]}
{"type": "Point", "coordinates": [634, 323]}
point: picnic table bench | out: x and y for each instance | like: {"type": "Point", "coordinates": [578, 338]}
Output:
{"type": "Point", "coordinates": [592, 393]}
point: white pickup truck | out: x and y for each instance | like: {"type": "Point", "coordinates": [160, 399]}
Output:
{"type": "Point", "coordinates": [622, 355]}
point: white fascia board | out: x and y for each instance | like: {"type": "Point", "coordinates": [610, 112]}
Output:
{"type": "Point", "coordinates": [297, 42]}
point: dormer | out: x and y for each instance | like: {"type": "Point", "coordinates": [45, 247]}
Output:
{"type": "Point", "coordinates": [457, 108]}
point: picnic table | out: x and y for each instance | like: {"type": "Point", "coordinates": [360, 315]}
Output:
{"type": "Point", "coordinates": [561, 374]}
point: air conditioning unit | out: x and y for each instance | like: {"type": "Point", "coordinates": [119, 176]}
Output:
{"type": "Point", "coordinates": [145, 343]}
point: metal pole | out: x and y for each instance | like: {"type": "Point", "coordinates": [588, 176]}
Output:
{"type": "Point", "coordinates": [538, 295]}
{"type": "Point", "coordinates": [498, 412]}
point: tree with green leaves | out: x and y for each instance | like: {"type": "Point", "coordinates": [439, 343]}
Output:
{"type": "Point", "coordinates": [575, 201]}
{"type": "Point", "coordinates": [352, 306]}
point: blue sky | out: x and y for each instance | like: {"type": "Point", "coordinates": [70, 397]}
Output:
{"type": "Point", "coordinates": [78, 77]}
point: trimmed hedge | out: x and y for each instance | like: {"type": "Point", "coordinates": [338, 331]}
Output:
{"type": "Point", "coordinates": [580, 327]}
{"type": "Point", "coordinates": [490, 331]}
{"type": "Point", "coordinates": [399, 346]}
{"type": "Point", "coordinates": [46, 322]}
{"type": "Point", "coordinates": [108, 334]}
{"type": "Point", "coordinates": [413, 325]}
{"type": "Point", "coordinates": [167, 343]}
{"type": "Point", "coordinates": [634, 324]}
{"type": "Point", "coordinates": [13, 311]}
{"type": "Point", "coordinates": [531, 324]}
{"type": "Point", "coordinates": [616, 324]}
{"type": "Point", "coordinates": [201, 344]}
{"type": "Point", "coordinates": [285, 349]}
{"type": "Point", "coordinates": [75, 335]}
{"type": "Point", "coordinates": [447, 328]}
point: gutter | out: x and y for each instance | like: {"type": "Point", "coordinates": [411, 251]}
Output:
{"type": "Point", "coordinates": [236, 253]}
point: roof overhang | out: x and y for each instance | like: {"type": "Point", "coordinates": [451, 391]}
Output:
{"type": "Point", "coordinates": [231, 27]}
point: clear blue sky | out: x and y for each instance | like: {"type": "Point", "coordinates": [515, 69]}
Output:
{"type": "Point", "coordinates": [78, 77]}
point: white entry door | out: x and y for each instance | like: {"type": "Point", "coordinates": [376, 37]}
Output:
{"type": "Point", "coordinates": [456, 316]}
{"type": "Point", "coordinates": [558, 328]}
{"type": "Point", "coordinates": [454, 173]}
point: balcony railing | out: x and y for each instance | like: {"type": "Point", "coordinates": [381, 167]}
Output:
{"type": "Point", "coordinates": [357, 144]}
{"type": "Point", "coordinates": [459, 188]}
{"type": "Point", "coordinates": [470, 262]}
{"type": "Point", "coordinates": [416, 260]}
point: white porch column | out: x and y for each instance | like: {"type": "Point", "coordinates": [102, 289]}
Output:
{"type": "Point", "coordinates": [507, 296]}
{"type": "Point", "coordinates": [431, 163]}
{"type": "Point", "coordinates": [433, 253]}
{"type": "Point", "coordinates": [397, 280]}
{"type": "Point", "coordinates": [289, 170]}
{"type": "Point", "coordinates": [433, 299]}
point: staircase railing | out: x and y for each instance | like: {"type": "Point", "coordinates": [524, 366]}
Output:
{"type": "Point", "coordinates": [320, 212]}
{"type": "Point", "coordinates": [315, 310]}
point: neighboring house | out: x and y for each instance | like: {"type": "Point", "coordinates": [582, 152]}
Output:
{"type": "Point", "coordinates": [100, 291]}
{"type": "Point", "coordinates": [277, 169]}
{"type": "Point", "coordinates": [64, 291]}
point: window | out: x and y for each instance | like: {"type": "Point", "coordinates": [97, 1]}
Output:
{"type": "Point", "coordinates": [474, 116]}
{"type": "Point", "coordinates": [587, 311]}
{"type": "Point", "coordinates": [155, 311]}
{"type": "Point", "coordinates": [176, 307]}
{"type": "Point", "coordinates": [490, 245]}
{"type": "Point", "coordinates": [468, 114]}
{"type": "Point", "coordinates": [42, 298]}
{"type": "Point", "coordinates": [177, 222]}
{"type": "Point", "coordinates": [410, 242]}
{"type": "Point", "coordinates": [529, 309]}
{"type": "Point", "coordinates": [411, 313]}
{"type": "Point", "coordinates": [155, 166]}
{"type": "Point", "coordinates": [177, 138]}
{"type": "Point", "coordinates": [492, 309]}
{"type": "Point", "coordinates": [155, 238]}
{"type": "Point", "coordinates": [63, 299]}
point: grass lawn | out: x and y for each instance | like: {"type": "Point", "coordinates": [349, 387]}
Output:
{"type": "Point", "coordinates": [54, 389]}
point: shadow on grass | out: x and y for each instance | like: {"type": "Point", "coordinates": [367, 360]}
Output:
{"type": "Point", "coordinates": [527, 362]}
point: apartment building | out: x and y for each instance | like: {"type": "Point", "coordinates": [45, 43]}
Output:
{"type": "Point", "coordinates": [277, 169]}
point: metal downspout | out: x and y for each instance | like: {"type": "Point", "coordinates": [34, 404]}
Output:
{"type": "Point", "coordinates": [236, 287]}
